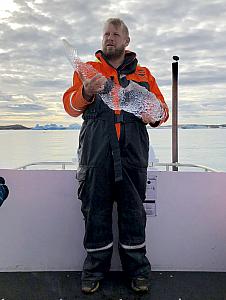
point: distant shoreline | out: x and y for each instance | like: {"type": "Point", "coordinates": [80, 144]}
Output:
{"type": "Point", "coordinates": [77, 126]}
{"type": "Point", "coordinates": [14, 127]}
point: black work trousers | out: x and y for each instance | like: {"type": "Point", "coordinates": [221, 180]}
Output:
{"type": "Point", "coordinates": [98, 191]}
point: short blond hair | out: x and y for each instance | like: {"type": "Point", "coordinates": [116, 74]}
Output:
{"type": "Point", "coordinates": [118, 22]}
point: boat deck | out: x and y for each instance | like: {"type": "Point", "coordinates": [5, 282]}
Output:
{"type": "Point", "coordinates": [66, 286]}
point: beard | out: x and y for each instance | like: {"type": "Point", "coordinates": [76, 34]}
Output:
{"type": "Point", "coordinates": [114, 53]}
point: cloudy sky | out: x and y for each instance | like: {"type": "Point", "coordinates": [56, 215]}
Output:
{"type": "Point", "coordinates": [34, 72]}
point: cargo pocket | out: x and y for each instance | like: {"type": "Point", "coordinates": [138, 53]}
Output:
{"type": "Point", "coordinates": [81, 177]}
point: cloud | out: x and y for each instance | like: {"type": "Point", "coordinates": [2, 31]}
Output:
{"type": "Point", "coordinates": [26, 107]}
{"type": "Point", "coordinates": [34, 68]}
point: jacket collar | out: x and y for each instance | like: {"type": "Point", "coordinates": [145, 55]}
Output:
{"type": "Point", "coordinates": [127, 67]}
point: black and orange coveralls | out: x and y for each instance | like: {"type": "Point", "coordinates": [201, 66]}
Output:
{"type": "Point", "coordinates": [113, 160]}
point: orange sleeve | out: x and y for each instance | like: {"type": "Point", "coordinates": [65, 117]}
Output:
{"type": "Point", "coordinates": [73, 100]}
{"type": "Point", "coordinates": [155, 90]}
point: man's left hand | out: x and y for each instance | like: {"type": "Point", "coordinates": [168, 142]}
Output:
{"type": "Point", "coordinates": [146, 118]}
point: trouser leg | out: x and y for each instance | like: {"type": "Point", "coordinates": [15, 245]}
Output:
{"type": "Point", "coordinates": [132, 223]}
{"type": "Point", "coordinates": [97, 264]}
{"type": "Point", "coordinates": [134, 262]}
{"type": "Point", "coordinates": [97, 211]}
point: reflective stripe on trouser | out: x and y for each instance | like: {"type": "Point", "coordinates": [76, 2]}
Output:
{"type": "Point", "coordinates": [100, 249]}
{"type": "Point", "coordinates": [132, 247]}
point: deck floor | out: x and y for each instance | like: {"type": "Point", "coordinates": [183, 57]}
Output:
{"type": "Point", "coordinates": [66, 286]}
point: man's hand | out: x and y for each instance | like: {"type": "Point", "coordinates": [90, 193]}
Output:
{"type": "Point", "coordinates": [93, 85]}
{"type": "Point", "coordinates": [146, 118]}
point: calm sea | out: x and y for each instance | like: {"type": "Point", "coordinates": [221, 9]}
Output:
{"type": "Point", "coordinates": [198, 146]}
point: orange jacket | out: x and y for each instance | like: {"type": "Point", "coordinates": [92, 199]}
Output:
{"type": "Point", "coordinates": [75, 104]}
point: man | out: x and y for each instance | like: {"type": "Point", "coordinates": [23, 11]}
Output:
{"type": "Point", "coordinates": [113, 160]}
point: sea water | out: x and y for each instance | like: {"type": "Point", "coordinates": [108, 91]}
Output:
{"type": "Point", "coordinates": [196, 146]}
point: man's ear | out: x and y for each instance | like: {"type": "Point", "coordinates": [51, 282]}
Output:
{"type": "Point", "coordinates": [127, 41]}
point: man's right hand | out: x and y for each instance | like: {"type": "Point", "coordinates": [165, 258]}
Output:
{"type": "Point", "coordinates": [93, 85]}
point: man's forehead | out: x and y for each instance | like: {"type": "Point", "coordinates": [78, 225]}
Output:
{"type": "Point", "coordinates": [110, 26]}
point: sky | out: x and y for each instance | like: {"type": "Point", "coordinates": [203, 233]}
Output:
{"type": "Point", "coordinates": [35, 73]}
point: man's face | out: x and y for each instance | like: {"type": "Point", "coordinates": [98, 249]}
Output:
{"type": "Point", "coordinates": [114, 41]}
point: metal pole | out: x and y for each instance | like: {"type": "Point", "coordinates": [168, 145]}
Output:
{"type": "Point", "coordinates": [175, 112]}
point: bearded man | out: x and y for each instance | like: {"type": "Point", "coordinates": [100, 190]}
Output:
{"type": "Point", "coordinates": [113, 161]}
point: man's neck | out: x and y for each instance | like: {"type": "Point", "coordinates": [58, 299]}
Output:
{"type": "Point", "coordinates": [117, 62]}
